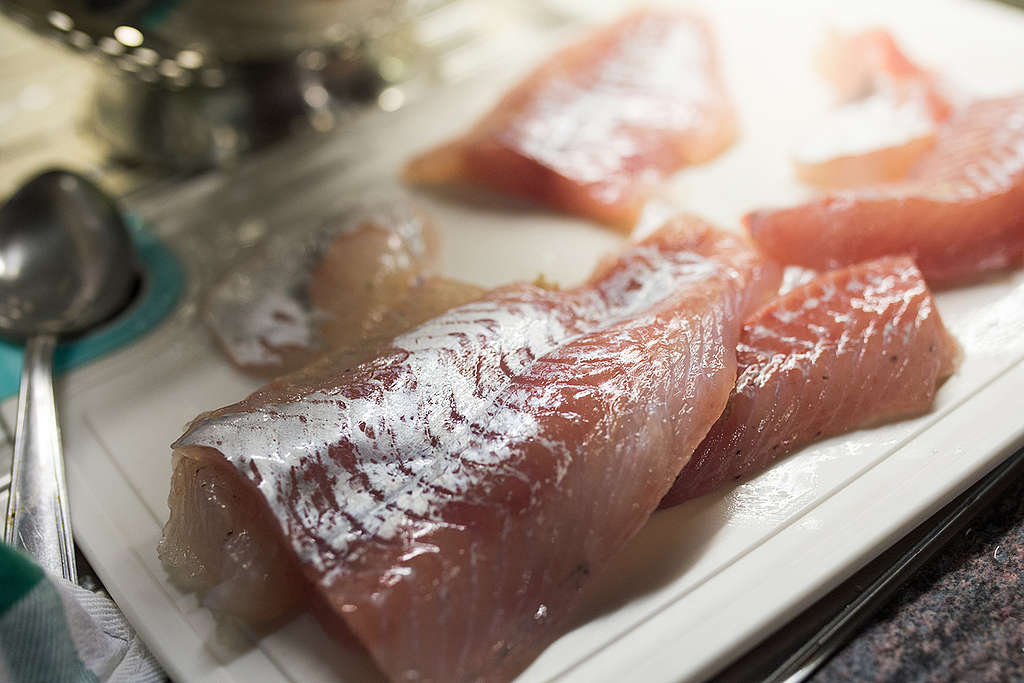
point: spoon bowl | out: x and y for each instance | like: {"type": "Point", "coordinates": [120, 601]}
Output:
{"type": "Point", "coordinates": [66, 258]}
{"type": "Point", "coordinates": [66, 265]}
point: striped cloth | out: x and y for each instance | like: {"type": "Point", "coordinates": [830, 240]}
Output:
{"type": "Point", "coordinates": [52, 631]}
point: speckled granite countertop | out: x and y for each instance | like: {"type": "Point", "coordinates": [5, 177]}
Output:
{"type": "Point", "coordinates": [961, 618]}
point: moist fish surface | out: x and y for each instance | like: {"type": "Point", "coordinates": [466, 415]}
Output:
{"type": "Point", "coordinates": [855, 347]}
{"type": "Point", "coordinates": [360, 277]}
{"type": "Point", "coordinates": [889, 116]}
{"type": "Point", "coordinates": [447, 501]}
{"type": "Point", "coordinates": [595, 129]}
{"type": "Point", "coordinates": [959, 213]}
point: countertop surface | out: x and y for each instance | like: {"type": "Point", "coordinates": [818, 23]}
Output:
{"type": "Point", "coordinates": [959, 618]}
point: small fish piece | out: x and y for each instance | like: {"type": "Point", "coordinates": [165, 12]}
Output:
{"type": "Point", "coordinates": [959, 213]}
{"type": "Point", "coordinates": [871, 60]}
{"type": "Point", "coordinates": [362, 275]}
{"type": "Point", "coordinates": [889, 117]}
{"type": "Point", "coordinates": [595, 129]}
{"type": "Point", "coordinates": [447, 501]}
{"type": "Point", "coordinates": [856, 347]}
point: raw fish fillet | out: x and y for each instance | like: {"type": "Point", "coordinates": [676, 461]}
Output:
{"type": "Point", "coordinates": [960, 212]}
{"type": "Point", "coordinates": [869, 61]}
{"type": "Point", "coordinates": [891, 111]}
{"type": "Point", "coordinates": [361, 277]}
{"type": "Point", "coordinates": [596, 128]}
{"type": "Point", "coordinates": [448, 500]}
{"type": "Point", "coordinates": [855, 347]}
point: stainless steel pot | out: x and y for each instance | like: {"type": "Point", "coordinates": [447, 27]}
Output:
{"type": "Point", "coordinates": [193, 83]}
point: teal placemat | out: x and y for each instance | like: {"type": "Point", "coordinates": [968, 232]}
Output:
{"type": "Point", "coordinates": [162, 283]}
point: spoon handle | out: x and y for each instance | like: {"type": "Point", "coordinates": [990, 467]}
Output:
{"type": "Point", "coordinates": [38, 518]}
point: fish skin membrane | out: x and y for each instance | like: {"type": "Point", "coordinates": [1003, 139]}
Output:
{"type": "Point", "coordinates": [854, 347]}
{"type": "Point", "coordinates": [597, 127]}
{"type": "Point", "coordinates": [959, 213]}
{"type": "Point", "coordinates": [448, 500]}
{"type": "Point", "coordinates": [355, 280]}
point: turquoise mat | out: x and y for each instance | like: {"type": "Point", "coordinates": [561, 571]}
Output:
{"type": "Point", "coordinates": [161, 287]}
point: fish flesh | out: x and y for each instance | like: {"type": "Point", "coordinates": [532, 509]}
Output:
{"type": "Point", "coordinates": [269, 313]}
{"type": "Point", "coordinates": [889, 117]}
{"type": "Point", "coordinates": [447, 501]}
{"type": "Point", "coordinates": [596, 128]}
{"type": "Point", "coordinates": [856, 347]}
{"type": "Point", "coordinates": [959, 213]}
{"type": "Point", "coordinates": [353, 281]}
{"type": "Point", "coordinates": [870, 60]}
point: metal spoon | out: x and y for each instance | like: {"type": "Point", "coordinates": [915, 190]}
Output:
{"type": "Point", "coordinates": [66, 264]}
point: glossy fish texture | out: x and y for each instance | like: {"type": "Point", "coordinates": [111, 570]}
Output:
{"type": "Point", "coordinates": [959, 213]}
{"type": "Point", "coordinates": [889, 117]}
{"type": "Point", "coordinates": [595, 129]}
{"type": "Point", "coordinates": [855, 347]}
{"type": "Point", "coordinates": [448, 500]}
{"type": "Point", "coordinates": [361, 277]}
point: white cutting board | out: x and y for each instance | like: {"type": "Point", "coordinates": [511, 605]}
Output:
{"type": "Point", "coordinates": [703, 581]}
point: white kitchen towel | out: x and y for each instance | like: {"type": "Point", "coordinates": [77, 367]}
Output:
{"type": "Point", "coordinates": [53, 631]}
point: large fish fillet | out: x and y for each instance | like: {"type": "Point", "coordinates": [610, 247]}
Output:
{"type": "Point", "coordinates": [596, 128]}
{"type": "Point", "coordinates": [960, 212]}
{"type": "Point", "coordinates": [855, 347]}
{"type": "Point", "coordinates": [447, 501]}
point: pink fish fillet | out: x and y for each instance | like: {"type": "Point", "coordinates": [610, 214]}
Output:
{"type": "Point", "coordinates": [960, 212]}
{"type": "Point", "coordinates": [447, 501]}
{"type": "Point", "coordinates": [360, 278]}
{"type": "Point", "coordinates": [855, 347]}
{"type": "Point", "coordinates": [889, 117]}
{"type": "Point", "coordinates": [596, 128]}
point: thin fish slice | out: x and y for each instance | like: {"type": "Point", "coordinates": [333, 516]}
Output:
{"type": "Point", "coordinates": [960, 213]}
{"type": "Point", "coordinates": [855, 347]}
{"type": "Point", "coordinates": [871, 60]}
{"type": "Point", "coordinates": [595, 129]}
{"type": "Point", "coordinates": [448, 500]}
{"type": "Point", "coordinates": [361, 276]}
{"type": "Point", "coordinates": [891, 111]}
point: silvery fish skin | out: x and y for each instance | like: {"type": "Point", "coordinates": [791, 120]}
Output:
{"type": "Point", "coordinates": [596, 128]}
{"type": "Point", "coordinates": [858, 346]}
{"type": "Point", "coordinates": [306, 291]}
{"type": "Point", "coordinates": [448, 500]}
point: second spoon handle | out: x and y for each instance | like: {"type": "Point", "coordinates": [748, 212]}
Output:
{"type": "Point", "coordinates": [38, 516]}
